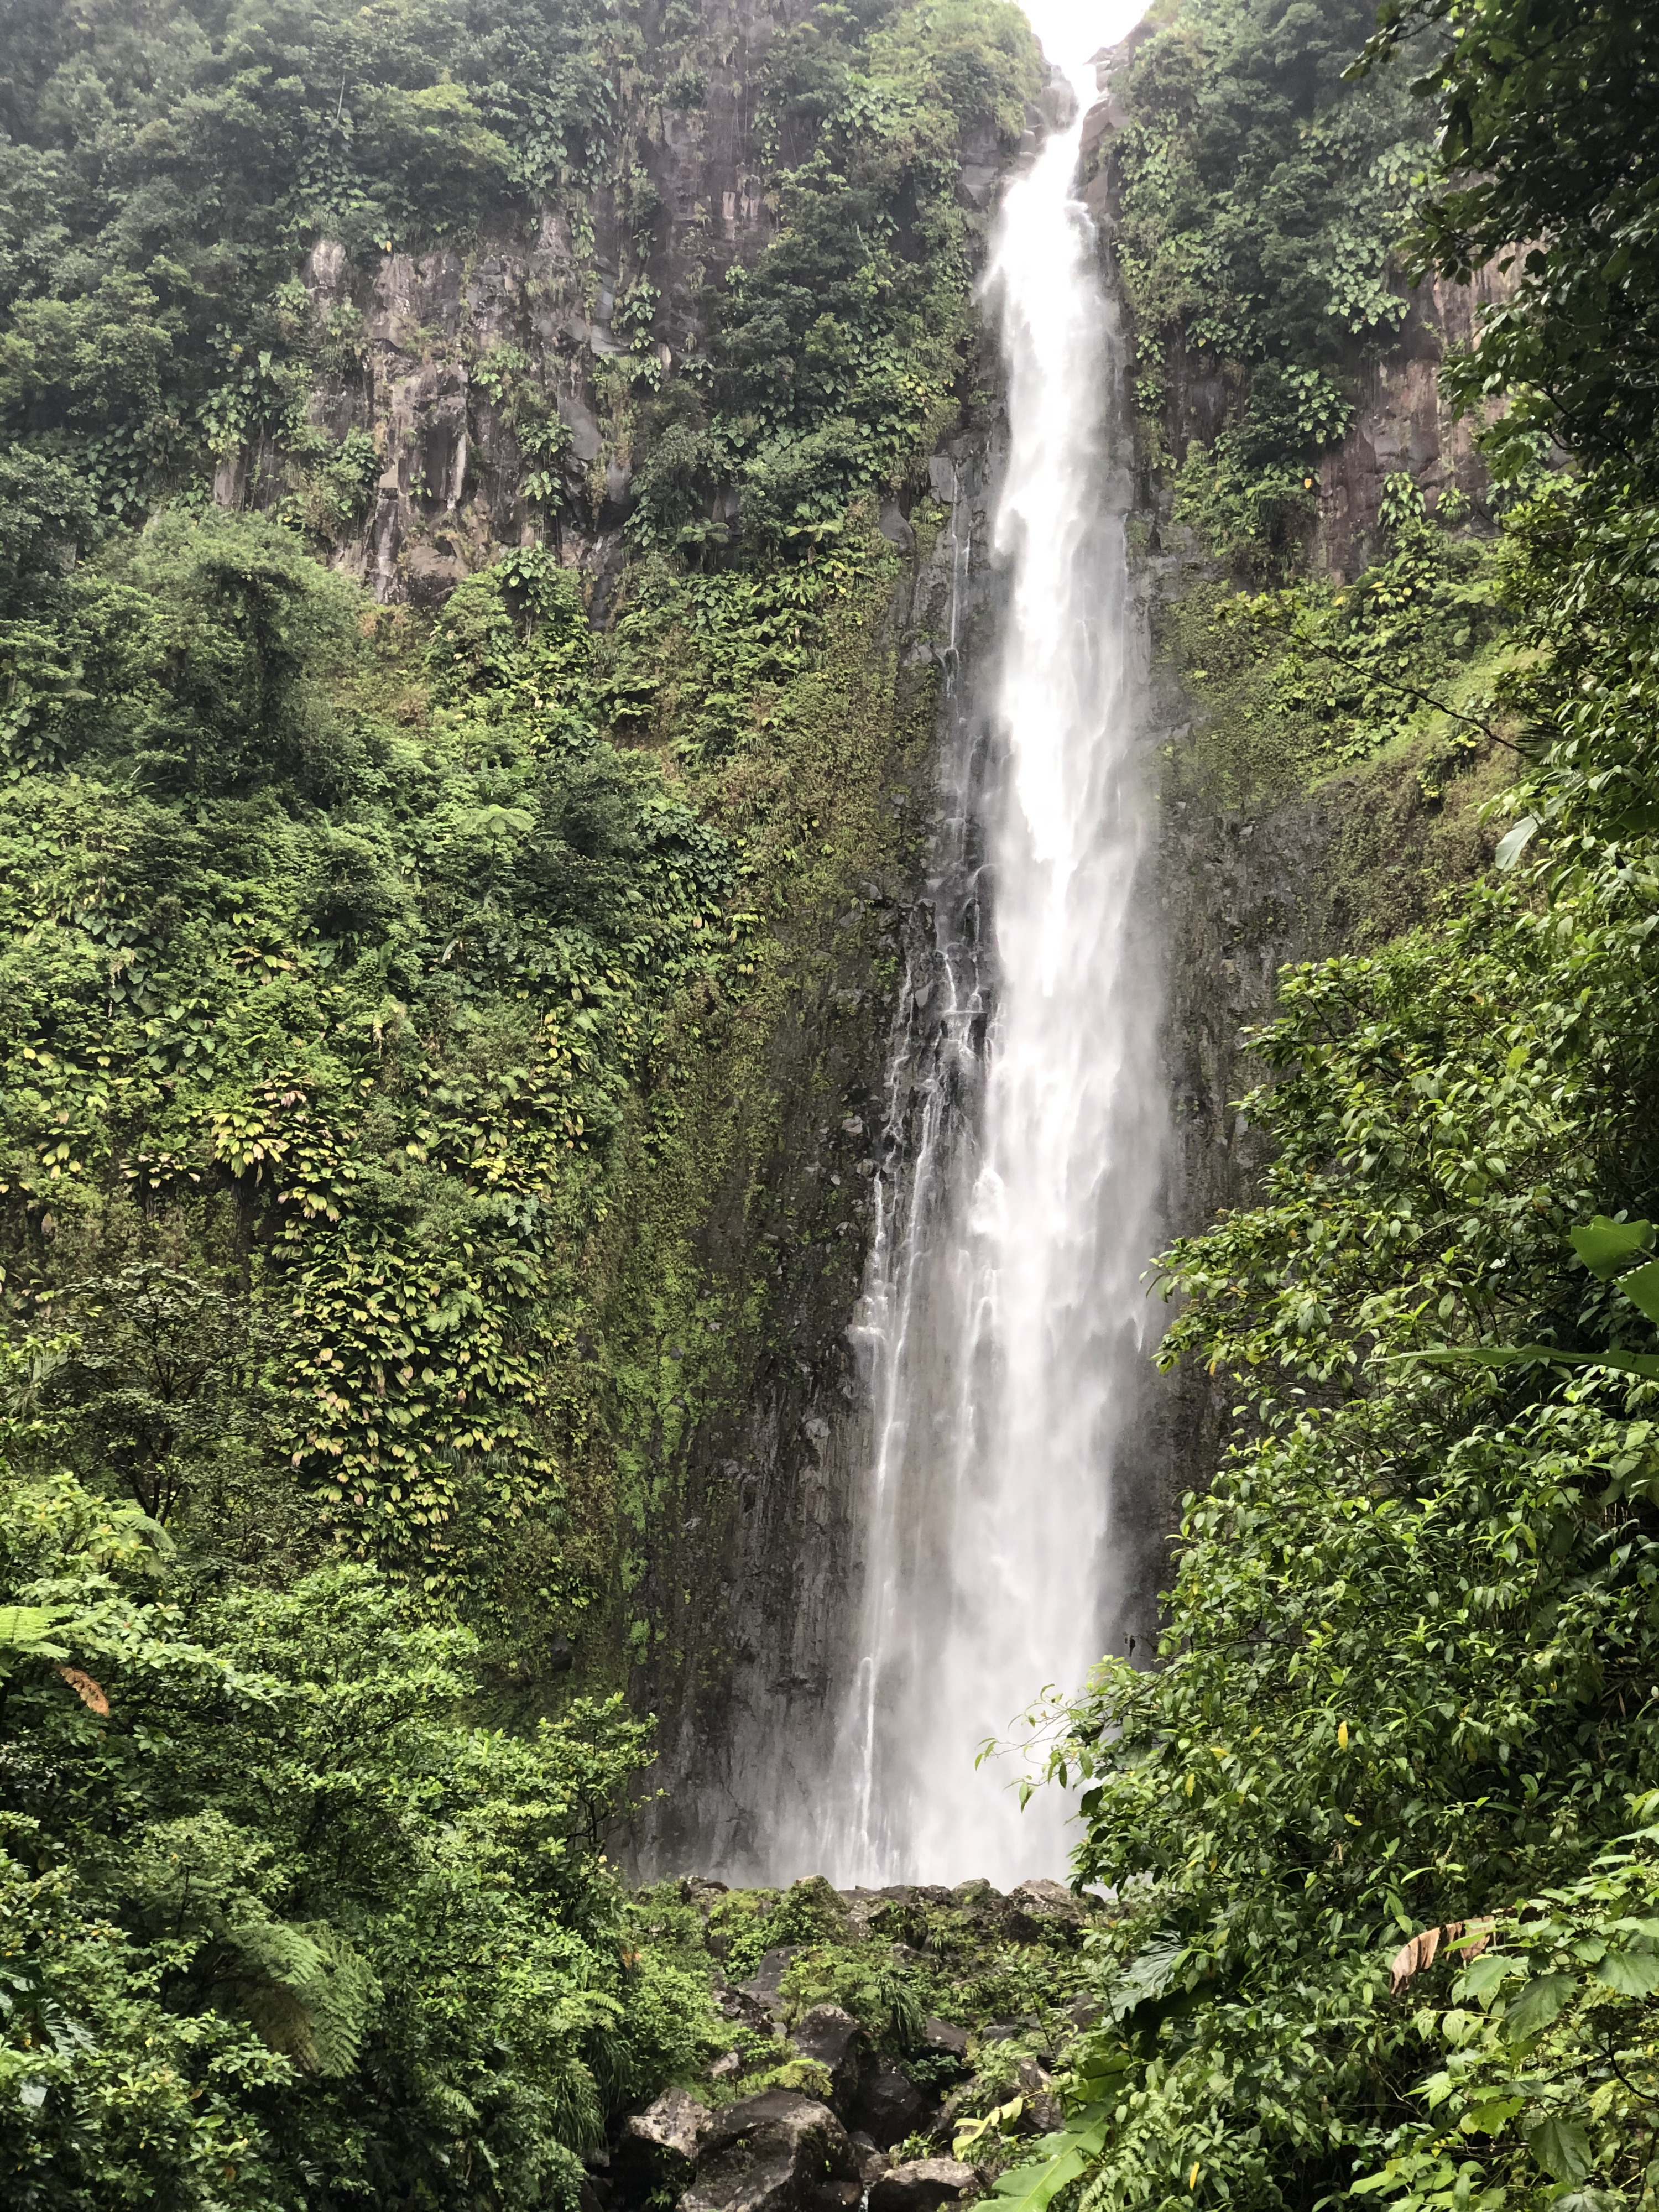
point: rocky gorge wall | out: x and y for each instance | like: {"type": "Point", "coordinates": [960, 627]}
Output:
{"type": "Point", "coordinates": [732, 1436]}
{"type": "Point", "coordinates": [458, 479]}
{"type": "Point", "coordinates": [713, 1458]}
{"type": "Point", "coordinates": [1259, 867]}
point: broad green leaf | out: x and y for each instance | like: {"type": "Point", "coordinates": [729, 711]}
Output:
{"type": "Point", "coordinates": [1513, 843]}
{"type": "Point", "coordinates": [1590, 2200]}
{"type": "Point", "coordinates": [1030, 2188]}
{"type": "Point", "coordinates": [1486, 2119]}
{"type": "Point", "coordinates": [1539, 2003]}
{"type": "Point", "coordinates": [1478, 1981]}
{"type": "Point", "coordinates": [1148, 1974]}
{"type": "Point", "coordinates": [1641, 1287]}
{"type": "Point", "coordinates": [1632, 1973]}
{"type": "Point", "coordinates": [1534, 1355]}
{"type": "Point", "coordinates": [1605, 1246]}
{"type": "Point", "coordinates": [1561, 2148]}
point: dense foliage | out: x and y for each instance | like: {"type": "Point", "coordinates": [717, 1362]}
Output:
{"type": "Point", "coordinates": [355, 999]}
{"type": "Point", "coordinates": [390, 997]}
{"type": "Point", "coordinates": [1379, 1826]}
{"type": "Point", "coordinates": [276, 1925]}
{"type": "Point", "coordinates": [836, 357]}
{"type": "Point", "coordinates": [1263, 202]}
{"type": "Point", "coordinates": [1545, 134]}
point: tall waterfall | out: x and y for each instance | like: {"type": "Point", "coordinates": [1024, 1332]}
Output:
{"type": "Point", "coordinates": [1005, 1322]}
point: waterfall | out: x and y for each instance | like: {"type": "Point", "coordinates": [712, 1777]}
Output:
{"type": "Point", "coordinates": [1003, 1324]}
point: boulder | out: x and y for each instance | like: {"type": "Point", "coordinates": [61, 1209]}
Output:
{"type": "Point", "coordinates": [940, 2036]}
{"type": "Point", "coordinates": [769, 2154]}
{"type": "Point", "coordinates": [873, 2163]}
{"type": "Point", "coordinates": [744, 2010]}
{"type": "Point", "coordinates": [923, 2186]}
{"type": "Point", "coordinates": [889, 2106]}
{"type": "Point", "coordinates": [1039, 1904]}
{"type": "Point", "coordinates": [764, 1986]}
{"type": "Point", "coordinates": [660, 2145]}
{"type": "Point", "coordinates": [837, 2040]}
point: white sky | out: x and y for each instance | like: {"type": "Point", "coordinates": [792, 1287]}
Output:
{"type": "Point", "coordinates": [1071, 30]}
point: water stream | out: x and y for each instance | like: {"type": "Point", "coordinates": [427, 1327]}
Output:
{"type": "Point", "coordinates": [1003, 1324]}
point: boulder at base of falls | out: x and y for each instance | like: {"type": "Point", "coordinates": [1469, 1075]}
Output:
{"type": "Point", "coordinates": [888, 2105]}
{"type": "Point", "coordinates": [837, 2041]}
{"type": "Point", "coordinates": [873, 2163]}
{"type": "Point", "coordinates": [779, 2152]}
{"type": "Point", "coordinates": [658, 2146]}
{"type": "Point", "coordinates": [944, 2039]}
{"type": "Point", "coordinates": [923, 2186]}
{"type": "Point", "coordinates": [765, 1987]}
{"type": "Point", "coordinates": [744, 2010]}
{"type": "Point", "coordinates": [1035, 1906]}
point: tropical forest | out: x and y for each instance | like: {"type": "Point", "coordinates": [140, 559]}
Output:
{"type": "Point", "coordinates": [829, 1128]}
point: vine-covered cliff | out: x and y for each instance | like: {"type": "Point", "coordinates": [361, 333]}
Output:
{"type": "Point", "coordinates": [469, 976]}
{"type": "Point", "coordinates": [468, 610]}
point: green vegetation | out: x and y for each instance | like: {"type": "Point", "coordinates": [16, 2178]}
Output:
{"type": "Point", "coordinates": [1380, 1825]}
{"type": "Point", "coordinates": [1010, 1978]}
{"type": "Point", "coordinates": [277, 1926]}
{"type": "Point", "coordinates": [395, 1008]}
{"type": "Point", "coordinates": [362, 972]}
{"type": "Point", "coordinates": [1265, 253]}
{"type": "Point", "coordinates": [1263, 202]}
{"type": "Point", "coordinates": [835, 358]}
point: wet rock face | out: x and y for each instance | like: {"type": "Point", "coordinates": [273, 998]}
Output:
{"type": "Point", "coordinates": [779, 2152]}
{"type": "Point", "coordinates": [405, 334]}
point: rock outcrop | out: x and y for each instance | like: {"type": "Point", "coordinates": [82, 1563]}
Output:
{"type": "Point", "coordinates": [778, 2151]}
{"type": "Point", "coordinates": [838, 2043]}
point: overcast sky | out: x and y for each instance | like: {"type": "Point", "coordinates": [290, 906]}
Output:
{"type": "Point", "coordinates": [1071, 30]}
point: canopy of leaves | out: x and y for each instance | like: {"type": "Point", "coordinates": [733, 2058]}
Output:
{"type": "Point", "coordinates": [834, 359]}
{"type": "Point", "coordinates": [357, 983]}
{"type": "Point", "coordinates": [276, 1924]}
{"type": "Point", "coordinates": [1262, 201]}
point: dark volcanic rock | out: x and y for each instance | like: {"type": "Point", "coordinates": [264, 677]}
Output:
{"type": "Point", "coordinates": [660, 2145]}
{"type": "Point", "coordinates": [890, 2106]}
{"type": "Point", "coordinates": [837, 2040]}
{"type": "Point", "coordinates": [923, 2186]}
{"type": "Point", "coordinates": [873, 2163]}
{"type": "Point", "coordinates": [764, 1985]}
{"type": "Point", "coordinates": [941, 2036]}
{"type": "Point", "coordinates": [1041, 1904]}
{"type": "Point", "coordinates": [770, 2154]}
{"type": "Point", "coordinates": [747, 2011]}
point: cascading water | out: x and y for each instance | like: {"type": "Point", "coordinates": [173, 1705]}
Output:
{"type": "Point", "coordinates": [1005, 1322]}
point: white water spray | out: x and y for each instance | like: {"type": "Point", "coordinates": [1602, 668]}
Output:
{"type": "Point", "coordinates": [1004, 1321]}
